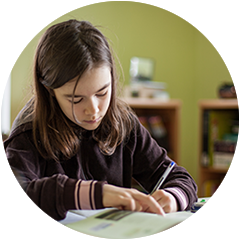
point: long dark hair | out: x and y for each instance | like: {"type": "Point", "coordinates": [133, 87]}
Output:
{"type": "Point", "coordinates": [65, 51]}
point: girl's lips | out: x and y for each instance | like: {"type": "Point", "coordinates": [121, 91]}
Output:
{"type": "Point", "coordinates": [93, 121]}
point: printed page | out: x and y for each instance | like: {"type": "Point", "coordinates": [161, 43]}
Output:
{"type": "Point", "coordinates": [88, 213]}
{"type": "Point", "coordinates": [121, 224]}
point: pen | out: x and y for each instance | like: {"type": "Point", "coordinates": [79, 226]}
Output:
{"type": "Point", "coordinates": [164, 176]}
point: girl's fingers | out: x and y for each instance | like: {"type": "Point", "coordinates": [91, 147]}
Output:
{"type": "Point", "coordinates": [126, 203]}
{"type": "Point", "coordinates": [129, 199]}
{"type": "Point", "coordinates": [149, 203]}
{"type": "Point", "coordinates": [166, 200]}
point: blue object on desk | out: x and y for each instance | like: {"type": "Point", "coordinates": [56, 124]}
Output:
{"type": "Point", "coordinates": [215, 212]}
{"type": "Point", "coordinates": [197, 205]}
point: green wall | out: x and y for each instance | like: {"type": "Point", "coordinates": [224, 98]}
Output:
{"type": "Point", "coordinates": [185, 60]}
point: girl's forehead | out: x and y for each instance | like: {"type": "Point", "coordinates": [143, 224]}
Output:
{"type": "Point", "coordinates": [90, 82]}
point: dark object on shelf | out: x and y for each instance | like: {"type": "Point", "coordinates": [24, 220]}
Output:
{"type": "Point", "coordinates": [227, 91]}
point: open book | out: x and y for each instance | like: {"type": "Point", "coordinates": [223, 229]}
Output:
{"type": "Point", "coordinates": [113, 223]}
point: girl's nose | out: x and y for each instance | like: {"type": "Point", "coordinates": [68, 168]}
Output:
{"type": "Point", "coordinates": [92, 107]}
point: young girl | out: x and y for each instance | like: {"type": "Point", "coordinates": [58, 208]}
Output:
{"type": "Point", "coordinates": [75, 145]}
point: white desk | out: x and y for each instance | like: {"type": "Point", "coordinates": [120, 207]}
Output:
{"type": "Point", "coordinates": [48, 229]}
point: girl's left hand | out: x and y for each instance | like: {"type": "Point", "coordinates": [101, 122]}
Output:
{"type": "Point", "coordinates": [166, 200]}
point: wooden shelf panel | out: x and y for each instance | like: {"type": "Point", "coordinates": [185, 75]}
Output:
{"type": "Point", "coordinates": [153, 103]}
{"type": "Point", "coordinates": [219, 104]}
{"type": "Point", "coordinates": [214, 170]}
{"type": "Point", "coordinates": [169, 111]}
{"type": "Point", "coordinates": [212, 173]}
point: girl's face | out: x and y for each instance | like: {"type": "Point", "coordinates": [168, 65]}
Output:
{"type": "Point", "coordinates": [91, 99]}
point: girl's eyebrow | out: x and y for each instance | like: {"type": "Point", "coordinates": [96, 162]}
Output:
{"type": "Point", "coordinates": [78, 96]}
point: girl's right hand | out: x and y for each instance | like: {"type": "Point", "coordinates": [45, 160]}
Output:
{"type": "Point", "coordinates": [129, 199]}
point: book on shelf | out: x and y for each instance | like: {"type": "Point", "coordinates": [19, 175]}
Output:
{"type": "Point", "coordinates": [219, 137]}
{"type": "Point", "coordinates": [155, 126]}
{"type": "Point", "coordinates": [225, 146]}
{"type": "Point", "coordinates": [205, 156]}
{"type": "Point", "coordinates": [114, 223]}
{"type": "Point", "coordinates": [222, 160]}
{"type": "Point", "coordinates": [223, 153]}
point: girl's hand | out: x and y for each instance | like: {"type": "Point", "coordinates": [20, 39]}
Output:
{"type": "Point", "coordinates": [129, 199]}
{"type": "Point", "coordinates": [166, 200]}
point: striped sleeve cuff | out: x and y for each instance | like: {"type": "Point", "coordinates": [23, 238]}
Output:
{"type": "Point", "coordinates": [88, 194]}
{"type": "Point", "coordinates": [181, 197]}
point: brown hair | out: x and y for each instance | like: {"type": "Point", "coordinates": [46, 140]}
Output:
{"type": "Point", "coordinates": [66, 51]}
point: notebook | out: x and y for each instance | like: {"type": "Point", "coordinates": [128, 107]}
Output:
{"type": "Point", "coordinates": [121, 224]}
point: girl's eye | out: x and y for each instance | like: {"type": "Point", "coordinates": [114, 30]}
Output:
{"type": "Point", "coordinates": [101, 95]}
{"type": "Point", "coordinates": [75, 102]}
{"type": "Point", "coordinates": [98, 95]}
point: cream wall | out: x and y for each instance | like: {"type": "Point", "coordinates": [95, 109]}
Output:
{"type": "Point", "coordinates": [185, 60]}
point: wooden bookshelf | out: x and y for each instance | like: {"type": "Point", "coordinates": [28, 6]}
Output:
{"type": "Point", "coordinates": [208, 173]}
{"type": "Point", "coordinates": [169, 111]}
